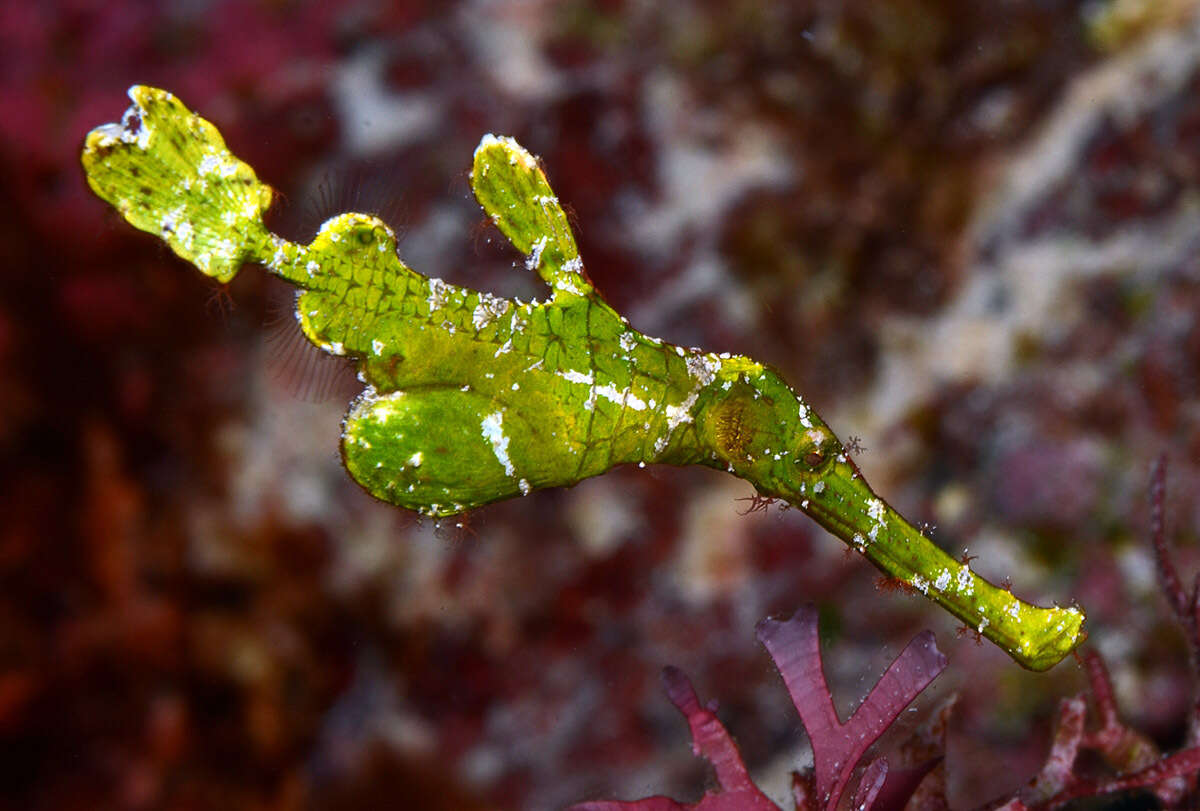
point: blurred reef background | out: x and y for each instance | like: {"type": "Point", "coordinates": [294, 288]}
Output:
{"type": "Point", "coordinates": [966, 230]}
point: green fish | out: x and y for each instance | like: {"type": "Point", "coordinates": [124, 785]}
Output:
{"type": "Point", "coordinates": [471, 398]}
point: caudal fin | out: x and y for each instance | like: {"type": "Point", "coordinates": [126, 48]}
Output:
{"type": "Point", "coordinates": [168, 172]}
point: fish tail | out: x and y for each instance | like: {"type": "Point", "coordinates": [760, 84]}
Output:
{"type": "Point", "coordinates": [168, 172]}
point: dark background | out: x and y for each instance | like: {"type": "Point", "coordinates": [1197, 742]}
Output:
{"type": "Point", "coordinates": [965, 231]}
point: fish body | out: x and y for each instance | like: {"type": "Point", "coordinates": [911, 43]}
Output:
{"type": "Point", "coordinates": [471, 398]}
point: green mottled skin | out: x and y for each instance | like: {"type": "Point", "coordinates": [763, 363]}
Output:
{"type": "Point", "coordinates": [472, 399]}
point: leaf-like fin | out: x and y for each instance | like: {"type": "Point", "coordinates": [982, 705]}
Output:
{"type": "Point", "coordinates": [515, 194]}
{"type": "Point", "coordinates": [168, 172]}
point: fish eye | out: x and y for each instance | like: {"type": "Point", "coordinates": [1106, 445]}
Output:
{"type": "Point", "coordinates": [814, 458]}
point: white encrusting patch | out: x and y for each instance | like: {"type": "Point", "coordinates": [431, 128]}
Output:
{"type": "Point", "coordinates": [567, 285]}
{"type": "Point", "coordinates": [437, 293]}
{"type": "Point", "coordinates": [226, 248]}
{"type": "Point", "coordinates": [208, 164]}
{"type": "Point", "coordinates": [964, 581]}
{"type": "Point", "coordinates": [493, 431]}
{"type": "Point", "coordinates": [171, 219]}
{"type": "Point", "coordinates": [621, 398]}
{"type": "Point", "coordinates": [573, 376]}
{"type": "Point", "coordinates": [382, 408]}
{"type": "Point", "coordinates": [491, 140]}
{"type": "Point", "coordinates": [679, 414]}
{"type": "Point", "coordinates": [175, 222]}
{"type": "Point", "coordinates": [185, 234]}
{"type": "Point", "coordinates": [703, 368]}
{"type": "Point", "coordinates": [878, 513]}
{"type": "Point", "coordinates": [516, 152]}
{"type": "Point", "coordinates": [134, 128]}
{"type": "Point", "coordinates": [488, 310]}
{"type": "Point", "coordinates": [875, 509]}
{"type": "Point", "coordinates": [535, 254]}
{"type": "Point", "coordinates": [943, 580]}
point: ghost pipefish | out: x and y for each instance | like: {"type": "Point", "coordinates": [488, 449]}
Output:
{"type": "Point", "coordinates": [471, 398]}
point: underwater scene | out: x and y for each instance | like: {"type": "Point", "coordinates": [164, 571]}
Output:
{"type": "Point", "coordinates": [472, 405]}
